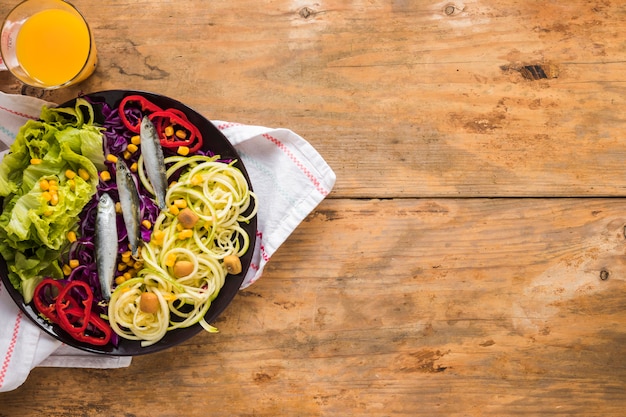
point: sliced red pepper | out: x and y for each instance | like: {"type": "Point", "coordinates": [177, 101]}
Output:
{"type": "Point", "coordinates": [173, 119]}
{"type": "Point", "coordinates": [97, 333]}
{"type": "Point", "coordinates": [145, 105]}
{"type": "Point", "coordinates": [176, 117]}
{"type": "Point", "coordinates": [179, 113]}
{"type": "Point", "coordinates": [45, 298]}
{"type": "Point", "coordinates": [69, 310]}
{"type": "Point", "coordinates": [159, 117]}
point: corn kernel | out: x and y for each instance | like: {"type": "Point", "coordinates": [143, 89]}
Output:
{"type": "Point", "coordinates": [183, 150]}
{"type": "Point", "coordinates": [158, 235]}
{"type": "Point", "coordinates": [71, 236]}
{"type": "Point", "coordinates": [185, 234]}
{"type": "Point", "coordinates": [118, 207]}
{"type": "Point", "coordinates": [35, 161]}
{"type": "Point", "coordinates": [66, 270]}
{"type": "Point", "coordinates": [53, 187]}
{"type": "Point", "coordinates": [120, 280]}
{"type": "Point", "coordinates": [111, 158]}
{"type": "Point", "coordinates": [127, 254]}
{"type": "Point", "coordinates": [127, 154]}
{"type": "Point", "coordinates": [72, 184]}
{"type": "Point", "coordinates": [69, 174]}
{"type": "Point", "coordinates": [146, 223]}
{"type": "Point", "coordinates": [132, 148]}
{"type": "Point", "coordinates": [105, 176]}
{"type": "Point", "coordinates": [47, 195]}
{"type": "Point", "coordinates": [180, 203]}
{"type": "Point", "coordinates": [181, 134]}
{"type": "Point", "coordinates": [53, 182]}
{"type": "Point", "coordinates": [138, 265]}
{"type": "Point", "coordinates": [170, 259]}
{"type": "Point", "coordinates": [48, 213]}
{"type": "Point", "coordinates": [127, 275]}
{"type": "Point", "coordinates": [174, 210]}
{"type": "Point", "coordinates": [82, 172]}
{"type": "Point", "coordinates": [197, 179]}
{"type": "Point", "coordinates": [134, 167]}
{"type": "Point", "coordinates": [44, 185]}
{"type": "Point", "coordinates": [73, 263]}
{"type": "Point", "coordinates": [135, 140]}
{"type": "Point", "coordinates": [121, 267]}
{"type": "Point", "coordinates": [54, 199]}
{"type": "Point", "coordinates": [169, 130]}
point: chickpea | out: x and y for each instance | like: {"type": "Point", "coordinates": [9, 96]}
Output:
{"type": "Point", "coordinates": [232, 264]}
{"type": "Point", "coordinates": [187, 218]}
{"type": "Point", "coordinates": [149, 302]}
{"type": "Point", "coordinates": [182, 268]}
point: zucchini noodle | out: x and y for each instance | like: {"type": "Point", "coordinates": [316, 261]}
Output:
{"type": "Point", "coordinates": [219, 195]}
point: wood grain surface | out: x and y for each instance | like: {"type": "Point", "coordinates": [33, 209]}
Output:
{"type": "Point", "coordinates": [470, 260]}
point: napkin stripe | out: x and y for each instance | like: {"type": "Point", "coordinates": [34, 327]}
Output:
{"type": "Point", "coordinates": [7, 132]}
{"type": "Point", "coordinates": [262, 251]}
{"type": "Point", "coordinates": [264, 254]}
{"type": "Point", "coordinates": [17, 113]}
{"type": "Point", "coordinates": [225, 126]}
{"type": "Point", "coordinates": [299, 164]}
{"type": "Point", "coordinates": [11, 348]}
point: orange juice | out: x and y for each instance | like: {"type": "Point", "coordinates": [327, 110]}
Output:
{"type": "Point", "coordinates": [53, 47]}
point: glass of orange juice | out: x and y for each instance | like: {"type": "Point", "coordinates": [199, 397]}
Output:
{"type": "Point", "coordinates": [47, 44]}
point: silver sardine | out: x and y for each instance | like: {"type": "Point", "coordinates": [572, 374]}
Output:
{"type": "Point", "coordinates": [153, 160]}
{"type": "Point", "coordinates": [106, 244]}
{"type": "Point", "coordinates": [129, 200]}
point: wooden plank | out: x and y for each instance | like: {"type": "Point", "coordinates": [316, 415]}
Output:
{"type": "Point", "coordinates": [390, 91]}
{"type": "Point", "coordinates": [444, 307]}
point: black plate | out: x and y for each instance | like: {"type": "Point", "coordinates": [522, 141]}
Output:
{"type": "Point", "coordinates": [214, 140]}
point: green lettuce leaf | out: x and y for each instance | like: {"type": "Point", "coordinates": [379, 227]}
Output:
{"type": "Point", "coordinates": [32, 231]}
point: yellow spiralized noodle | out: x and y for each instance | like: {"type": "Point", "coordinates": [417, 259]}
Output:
{"type": "Point", "coordinates": [219, 195]}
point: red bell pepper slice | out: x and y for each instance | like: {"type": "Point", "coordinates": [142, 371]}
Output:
{"type": "Point", "coordinates": [97, 333]}
{"type": "Point", "coordinates": [176, 117]}
{"type": "Point", "coordinates": [159, 117]}
{"type": "Point", "coordinates": [45, 298]}
{"type": "Point", "coordinates": [68, 308]}
{"type": "Point", "coordinates": [145, 105]}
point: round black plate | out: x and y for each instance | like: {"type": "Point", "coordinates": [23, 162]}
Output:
{"type": "Point", "coordinates": [213, 140]}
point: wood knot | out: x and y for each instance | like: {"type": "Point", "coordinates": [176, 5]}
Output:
{"type": "Point", "coordinates": [539, 72]}
{"type": "Point", "coordinates": [604, 275]}
{"type": "Point", "coordinates": [306, 12]}
{"type": "Point", "coordinates": [32, 91]}
{"type": "Point", "coordinates": [535, 72]}
{"type": "Point", "coordinates": [452, 9]}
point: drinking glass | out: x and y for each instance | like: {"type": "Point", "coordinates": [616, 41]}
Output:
{"type": "Point", "coordinates": [47, 44]}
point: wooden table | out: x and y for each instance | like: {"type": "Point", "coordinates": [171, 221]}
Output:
{"type": "Point", "coordinates": [470, 259]}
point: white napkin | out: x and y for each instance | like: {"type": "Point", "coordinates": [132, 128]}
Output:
{"type": "Point", "coordinates": [288, 175]}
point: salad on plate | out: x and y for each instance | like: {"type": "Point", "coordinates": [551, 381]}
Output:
{"type": "Point", "coordinates": [121, 221]}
